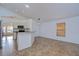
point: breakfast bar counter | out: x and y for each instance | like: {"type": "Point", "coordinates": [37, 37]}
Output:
{"type": "Point", "coordinates": [24, 39]}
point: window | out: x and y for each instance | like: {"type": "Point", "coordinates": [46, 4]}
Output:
{"type": "Point", "coordinates": [60, 29]}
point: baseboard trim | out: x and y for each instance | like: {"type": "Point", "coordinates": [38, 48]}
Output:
{"type": "Point", "coordinates": [58, 40]}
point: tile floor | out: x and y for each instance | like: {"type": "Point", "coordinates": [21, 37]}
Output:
{"type": "Point", "coordinates": [7, 46]}
{"type": "Point", "coordinates": [41, 47]}
{"type": "Point", "coordinates": [49, 47]}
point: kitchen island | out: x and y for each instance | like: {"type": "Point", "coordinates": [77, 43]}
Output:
{"type": "Point", "coordinates": [24, 39]}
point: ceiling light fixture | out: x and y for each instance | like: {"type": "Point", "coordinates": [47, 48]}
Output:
{"type": "Point", "coordinates": [27, 6]}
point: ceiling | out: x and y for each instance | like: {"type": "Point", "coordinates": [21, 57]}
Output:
{"type": "Point", "coordinates": [44, 11]}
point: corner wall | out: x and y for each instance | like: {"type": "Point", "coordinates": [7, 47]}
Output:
{"type": "Point", "coordinates": [48, 30]}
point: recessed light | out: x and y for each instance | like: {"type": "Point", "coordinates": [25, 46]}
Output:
{"type": "Point", "coordinates": [27, 6]}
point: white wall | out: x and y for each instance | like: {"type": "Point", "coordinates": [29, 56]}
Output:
{"type": "Point", "coordinates": [48, 29]}
{"type": "Point", "coordinates": [35, 27]}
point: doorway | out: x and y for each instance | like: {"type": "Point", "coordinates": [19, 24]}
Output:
{"type": "Point", "coordinates": [7, 30]}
